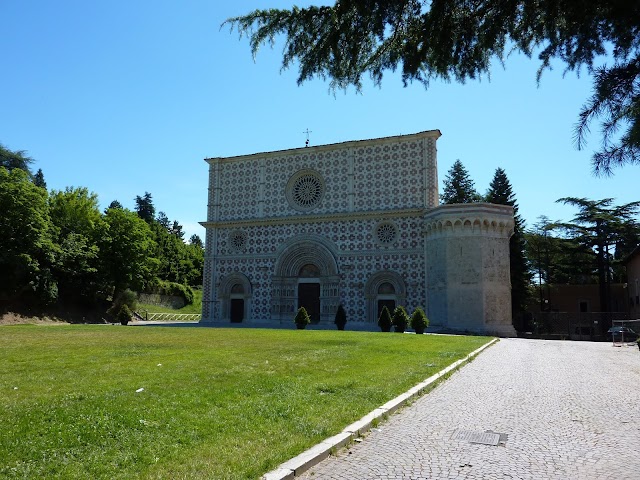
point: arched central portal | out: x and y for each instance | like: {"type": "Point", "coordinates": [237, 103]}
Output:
{"type": "Point", "coordinates": [306, 275]}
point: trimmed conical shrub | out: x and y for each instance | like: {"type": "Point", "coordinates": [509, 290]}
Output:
{"type": "Point", "coordinates": [384, 322]}
{"type": "Point", "coordinates": [400, 319]}
{"type": "Point", "coordinates": [302, 318]}
{"type": "Point", "coordinates": [341, 317]}
{"type": "Point", "coordinates": [419, 321]}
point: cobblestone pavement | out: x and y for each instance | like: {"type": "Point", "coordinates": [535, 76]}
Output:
{"type": "Point", "coordinates": [570, 410]}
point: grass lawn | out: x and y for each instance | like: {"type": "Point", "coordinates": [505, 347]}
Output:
{"type": "Point", "coordinates": [217, 403]}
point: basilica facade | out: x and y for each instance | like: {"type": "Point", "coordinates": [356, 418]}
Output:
{"type": "Point", "coordinates": [355, 223]}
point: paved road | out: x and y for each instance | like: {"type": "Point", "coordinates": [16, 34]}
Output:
{"type": "Point", "coordinates": [570, 410]}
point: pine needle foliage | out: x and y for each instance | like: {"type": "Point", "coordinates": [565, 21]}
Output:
{"type": "Point", "coordinates": [450, 40]}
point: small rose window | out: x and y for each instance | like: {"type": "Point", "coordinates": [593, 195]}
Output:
{"type": "Point", "coordinates": [386, 233]}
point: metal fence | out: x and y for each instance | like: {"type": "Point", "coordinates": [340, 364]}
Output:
{"type": "Point", "coordinates": [574, 326]}
{"type": "Point", "coordinates": [168, 317]}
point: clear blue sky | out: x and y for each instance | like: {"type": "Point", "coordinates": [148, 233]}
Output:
{"type": "Point", "coordinates": [127, 97]}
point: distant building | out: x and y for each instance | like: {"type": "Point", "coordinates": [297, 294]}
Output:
{"type": "Point", "coordinates": [632, 263]}
{"type": "Point", "coordinates": [355, 223]}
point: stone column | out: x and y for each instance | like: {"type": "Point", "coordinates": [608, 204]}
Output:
{"type": "Point", "coordinates": [468, 278]}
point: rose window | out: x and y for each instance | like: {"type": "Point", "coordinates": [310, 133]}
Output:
{"type": "Point", "coordinates": [386, 232]}
{"type": "Point", "coordinates": [305, 190]}
{"type": "Point", "coordinates": [238, 240]}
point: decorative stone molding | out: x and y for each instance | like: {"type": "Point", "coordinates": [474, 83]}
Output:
{"type": "Point", "coordinates": [470, 219]}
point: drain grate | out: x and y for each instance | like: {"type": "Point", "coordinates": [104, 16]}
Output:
{"type": "Point", "coordinates": [484, 438]}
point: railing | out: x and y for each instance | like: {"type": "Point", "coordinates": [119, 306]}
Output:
{"type": "Point", "coordinates": [574, 326]}
{"type": "Point", "coordinates": [168, 317]}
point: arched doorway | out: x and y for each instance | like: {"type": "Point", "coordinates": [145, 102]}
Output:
{"type": "Point", "coordinates": [384, 289]}
{"type": "Point", "coordinates": [306, 274]}
{"type": "Point", "coordinates": [235, 297]}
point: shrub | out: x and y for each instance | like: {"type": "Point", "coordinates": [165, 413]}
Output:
{"type": "Point", "coordinates": [124, 315]}
{"type": "Point", "coordinates": [419, 321]}
{"type": "Point", "coordinates": [400, 319]}
{"type": "Point", "coordinates": [384, 322]}
{"type": "Point", "coordinates": [127, 298]}
{"type": "Point", "coordinates": [302, 318]}
{"type": "Point", "coordinates": [341, 317]}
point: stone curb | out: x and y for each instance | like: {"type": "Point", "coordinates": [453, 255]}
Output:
{"type": "Point", "coordinates": [307, 459]}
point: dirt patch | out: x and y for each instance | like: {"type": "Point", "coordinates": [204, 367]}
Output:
{"type": "Point", "coordinates": [11, 318]}
{"type": "Point", "coordinates": [61, 314]}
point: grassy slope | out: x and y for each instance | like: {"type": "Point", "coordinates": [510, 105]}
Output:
{"type": "Point", "coordinates": [224, 403]}
{"type": "Point", "coordinates": [195, 307]}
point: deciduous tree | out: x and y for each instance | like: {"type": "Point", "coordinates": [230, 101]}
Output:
{"type": "Point", "coordinates": [126, 251]}
{"type": "Point", "coordinates": [27, 250]}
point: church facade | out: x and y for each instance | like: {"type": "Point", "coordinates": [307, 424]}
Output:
{"type": "Point", "coordinates": [355, 223]}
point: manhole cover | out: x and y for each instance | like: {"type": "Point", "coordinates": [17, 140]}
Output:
{"type": "Point", "coordinates": [484, 438]}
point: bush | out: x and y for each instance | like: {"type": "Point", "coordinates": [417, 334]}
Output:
{"type": "Point", "coordinates": [341, 317]}
{"type": "Point", "coordinates": [127, 298]}
{"type": "Point", "coordinates": [384, 322]}
{"type": "Point", "coordinates": [302, 318]}
{"type": "Point", "coordinates": [419, 321]}
{"type": "Point", "coordinates": [124, 315]}
{"type": "Point", "coordinates": [400, 319]}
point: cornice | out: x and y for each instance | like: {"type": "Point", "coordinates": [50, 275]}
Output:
{"type": "Point", "coordinates": [328, 217]}
{"type": "Point", "coordinates": [435, 134]}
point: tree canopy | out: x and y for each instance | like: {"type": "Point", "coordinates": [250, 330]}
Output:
{"type": "Point", "coordinates": [450, 40]}
{"type": "Point", "coordinates": [18, 159]}
{"type": "Point", "coordinates": [458, 186]}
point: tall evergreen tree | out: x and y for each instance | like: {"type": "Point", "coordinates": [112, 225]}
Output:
{"type": "Point", "coordinates": [163, 220]}
{"type": "Point", "coordinates": [38, 179]}
{"type": "Point", "coordinates": [458, 186]}
{"type": "Point", "coordinates": [196, 241]}
{"type": "Point", "coordinates": [114, 204]}
{"type": "Point", "coordinates": [176, 229]}
{"type": "Point", "coordinates": [145, 208]}
{"type": "Point", "coordinates": [501, 193]}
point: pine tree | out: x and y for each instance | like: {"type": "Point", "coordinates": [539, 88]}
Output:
{"type": "Point", "coordinates": [145, 208]}
{"type": "Point", "coordinates": [114, 204]}
{"type": "Point", "coordinates": [38, 179]}
{"type": "Point", "coordinates": [501, 193]}
{"type": "Point", "coordinates": [458, 186]}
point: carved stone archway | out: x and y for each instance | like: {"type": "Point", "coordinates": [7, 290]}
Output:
{"type": "Point", "coordinates": [234, 288]}
{"type": "Point", "coordinates": [384, 286]}
{"type": "Point", "coordinates": [303, 260]}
